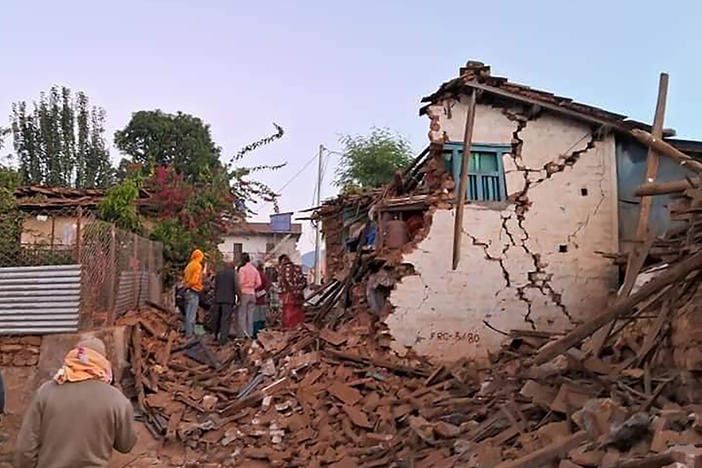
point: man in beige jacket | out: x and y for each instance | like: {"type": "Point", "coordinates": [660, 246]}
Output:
{"type": "Point", "coordinates": [77, 418]}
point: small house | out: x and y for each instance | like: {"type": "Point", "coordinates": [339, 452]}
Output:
{"type": "Point", "coordinates": [550, 205]}
{"type": "Point", "coordinates": [263, 241]}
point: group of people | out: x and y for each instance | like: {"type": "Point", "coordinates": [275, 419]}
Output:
{"type": "Point", "coordinates": [241, 296]}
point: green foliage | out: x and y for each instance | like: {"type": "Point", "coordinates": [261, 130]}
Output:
{"type": "Point", "coordinates": [10, 179]}
{"type": "Point", "coordinates": [4, 132]}
{"type": "Point", "coordinates": [119, 206]}
{"type": "Point", "coordinates": [180, 141]}
{"type": "Point", "coordinates": [177, 243]}
{"type": "Point", "coordinates": [61, 141]}
{"type": "Point", "coordinates": [190, 216]}
{"type": "Point", "coordinates": [196, 194]}
{"type": "Point", "coordinates": [371, 161]}
{"type": "Point", "coordinates": [10, 217]}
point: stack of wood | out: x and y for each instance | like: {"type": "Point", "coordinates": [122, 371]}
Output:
{"type": "Point", "coordinates": [335, 217]}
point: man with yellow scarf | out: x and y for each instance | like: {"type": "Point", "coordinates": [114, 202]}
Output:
{"type": "Point", "coordinates": [76, 419]}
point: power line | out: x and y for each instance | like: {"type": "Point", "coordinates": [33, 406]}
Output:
{"type": "Point", "coordinates": [310, 161]}
{"type": "Point", "coordinates": [298, 173]}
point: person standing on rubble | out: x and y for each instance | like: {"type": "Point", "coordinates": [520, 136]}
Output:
{"type": "Point", "coordinates": [225, 293]}
{"type": "Point", "coordinates": [249, 281]}
{"type": "Point", "coordinates": [292, 284]}
{"type": "Point", "coordinates": [261, 300]}
{"type": "Point", "coordinates": [192, 280]}
{"type": "Point", "coordinates": [77, 418]}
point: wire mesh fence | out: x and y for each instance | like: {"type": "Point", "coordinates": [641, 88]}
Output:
{"type": "Point", "coordinates": [36, 238]}
{"type": "Point", "coordinates": [119, 270]}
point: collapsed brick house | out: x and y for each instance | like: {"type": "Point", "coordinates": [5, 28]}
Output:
{"type": "Point", "coordinates": [550, 206]}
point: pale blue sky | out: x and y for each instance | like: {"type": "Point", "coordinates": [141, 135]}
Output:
{"type": "Point", "coordinates": [324, 68]}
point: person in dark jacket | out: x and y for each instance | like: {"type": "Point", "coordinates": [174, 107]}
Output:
{"type": "Point", "coordinates": [225, 294]}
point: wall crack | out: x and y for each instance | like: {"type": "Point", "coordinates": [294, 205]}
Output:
{"type": "Point", "coordinates": [485, 246]}
{"type": "Point", "coordinates": [540, 278]}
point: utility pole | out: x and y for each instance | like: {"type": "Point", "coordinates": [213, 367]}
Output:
{"type": "Point", "coordinates": [318, 232]}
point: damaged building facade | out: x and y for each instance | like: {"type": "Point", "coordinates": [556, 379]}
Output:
{"type": "Point", "coordinates": [550, 202]}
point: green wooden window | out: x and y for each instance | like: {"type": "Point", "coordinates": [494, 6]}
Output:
{"type": "Point", "coordinates": [486, 174]}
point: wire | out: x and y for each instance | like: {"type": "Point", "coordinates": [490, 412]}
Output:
{"type": "Point", "coordinates": [325, 161]}
{"type": "Point", "coordinates": [298, 173]}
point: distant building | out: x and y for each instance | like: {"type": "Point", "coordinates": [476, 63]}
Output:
{"type": "Point", "coordinates": [51, 215]}
{"type": "Point", "coordinates": [263, 241]}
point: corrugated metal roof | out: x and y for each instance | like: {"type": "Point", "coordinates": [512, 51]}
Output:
{"type": "Point", "coordinates": [39, 300]}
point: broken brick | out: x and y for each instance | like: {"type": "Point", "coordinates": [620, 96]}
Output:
{"type": "Point", "coordinates": [348, 395]}
{"type": "Point", "coordinates": [357, 417]}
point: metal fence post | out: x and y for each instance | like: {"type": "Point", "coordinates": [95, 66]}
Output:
{"type": "Point", "coordinates": [53, 232]}
{"type": "Point", "coordinates": [150, 271]}
{"type": "Point", "coordinates": [111, 278]}
{"type": "Point", "coordinates": [85, 310]}
{"type": "Point", "coordinates": [78, 233]}
{"type": "Point", "coordinates": [135, 268]}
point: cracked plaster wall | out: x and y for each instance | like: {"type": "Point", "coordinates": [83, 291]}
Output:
{"type": "Point", "coordinates": [513, 273]}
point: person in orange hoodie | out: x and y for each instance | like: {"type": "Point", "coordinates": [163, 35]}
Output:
{"type": "Point", "coordinates": [192, 280]}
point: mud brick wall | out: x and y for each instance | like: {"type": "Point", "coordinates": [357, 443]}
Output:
{"type": "Point", "coordinates": [532, 261]}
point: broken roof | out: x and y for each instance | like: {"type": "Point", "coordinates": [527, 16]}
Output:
{"type": "Point", "coordinates": [477, 75]}
{"type": "Point", "coordinates": [41, 197]}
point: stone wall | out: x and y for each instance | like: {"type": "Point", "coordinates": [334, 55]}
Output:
{"type": "Point", "coordinates": [19, 351]}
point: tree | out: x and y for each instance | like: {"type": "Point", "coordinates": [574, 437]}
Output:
{"type": "Point", "coordinates": [10, 217]}
{"type": "Point", "coordinates": [196, 195]}
{"type": "Point", "coordinates": [179, 141]}
{"type": "Point", "coordinates": [3, 133]}
{"type": "Point", "coordinates": [120, 205]}
{"type": "Point", "coordinates": [61, 142]}
{"type": "Point", "coordinates": [371, 161]}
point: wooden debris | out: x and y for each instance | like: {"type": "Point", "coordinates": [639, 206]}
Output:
{"type": "Point", "coordinates": [673, 274]}
{"type": "Point", "coordinates": [335, 395]}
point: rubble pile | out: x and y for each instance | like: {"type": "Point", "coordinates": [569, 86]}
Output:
{"type": "Point", "coordinates": [305, 398]}
{"type": "Point", "coordinates": [331, 393]}
{"type": "Point", "coordinates": [339, 398]}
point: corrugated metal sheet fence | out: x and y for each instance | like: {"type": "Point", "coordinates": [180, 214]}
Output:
{"type": "Point", "coordinates": [39, 299]}
{"type": "Point", "coordinates": [64, 270]}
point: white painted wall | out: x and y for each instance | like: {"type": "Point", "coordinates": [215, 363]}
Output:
{"type": "Point", "coordinates": [255, 245]}
{"type": "Point", "coordinates": [511, 274]}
